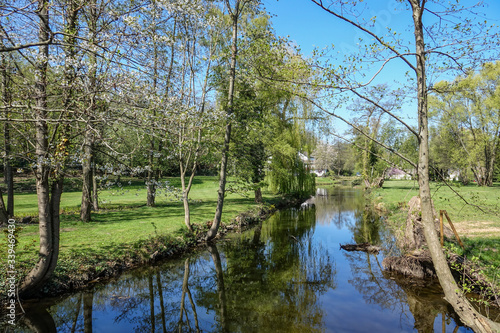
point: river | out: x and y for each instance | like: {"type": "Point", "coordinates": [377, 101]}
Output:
{"type": "Point", "coordinates": [287, 274]}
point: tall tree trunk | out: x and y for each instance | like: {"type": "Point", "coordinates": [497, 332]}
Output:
{"type": "Point", "coordinates": [48, 203]}
{"type": "Point", "coordinates": [366, 178]}
{"type": "Point", "coordinates": [150, 182]}
{"type": "Point", "coordinates": [4, 217]}
{"type": "Point", "coordinates": [227, 136]}
{"type": "Point", "coordinates": [187, 215]}
{"type": "Point", "coordinates": [95, 191]}
{"type": "Point", "coordinates": [8, 170]}
{"type": "Point", "coordinates": [452, 294]}
{"type": "Point", "coordinates": [89, 139]}
{"type": "Point", "coordinates": [87, 183]}
{"type": "Point", "coordinates": [185, 194]}
{"type": "Point", "coordinates": [187, 188]}
{"type": "Point", "coordinates": [49, 223]}
{"type": "Point", "coordinates": [490, 157]}
{"type": "Point", "coordinates": [154, 171]}
{"type": "Point", "coordinates": [152, 179]}
{"type": "Point", "coordinates": [258, 195]}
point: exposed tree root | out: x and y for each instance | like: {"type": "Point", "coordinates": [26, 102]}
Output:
{"type": "Point", "coordinates": [467, 274]}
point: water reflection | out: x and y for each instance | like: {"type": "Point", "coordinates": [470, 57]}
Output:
{"type": "Point", "coordinates": [273, 280]}
{"type": "Point", "coordinates": [285, 275]}
{"type": "Point", "coordinates": [185, 291]}
{"type": "Point", "coordinates": [38, 321]}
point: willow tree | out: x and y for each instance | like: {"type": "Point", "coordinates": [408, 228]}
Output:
{"type": "Point", "coordinates": [289, 171]}
{"type": "Point", "coordinates": [257, 121]}
{"type": "Point", "coordinates": [292, 120]}
{"type": "Point", "coordinates": [448, 42]}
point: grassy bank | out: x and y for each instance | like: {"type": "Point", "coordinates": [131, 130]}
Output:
{"type": "Point", "coordinates": [125, 232]}
{"type": "Point", "coordinates": [477, 223]}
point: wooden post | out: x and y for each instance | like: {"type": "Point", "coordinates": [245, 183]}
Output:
{"type": "Point", "coordinates": [441, 227]}
{"type": "Point", "coordinates": [454, 231]}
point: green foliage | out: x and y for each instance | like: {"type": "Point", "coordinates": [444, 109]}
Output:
{"type": "Point", "coordinates": [357, 181]}
{"type": "Point", "coordinates": [468, 113]}
{"type": "Point", "coordinates": [478, 272]}
{"type": "Point", "coordinates": [289, 175]}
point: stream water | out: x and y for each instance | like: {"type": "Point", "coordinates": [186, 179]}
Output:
{"type": "Point", "coordinates": [286, 275]}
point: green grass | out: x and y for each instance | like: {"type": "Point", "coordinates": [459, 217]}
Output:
{"type": "Point", "coordinates": [334, 180]}
{"type": "Point", "coordinates": [123, 225]}
{"type": "Point", "coordinates": [125, 218]}
{"type": "Point", "coordinates": [483, 202]}
{"type": "Point", "coordinates": [324, 181]}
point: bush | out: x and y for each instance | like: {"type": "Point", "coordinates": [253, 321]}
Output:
{"type": "Point", "coordinates": [356, 182]}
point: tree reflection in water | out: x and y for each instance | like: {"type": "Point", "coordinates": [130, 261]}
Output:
{"type": "Point", "coordinates": [88, 304]}
{"type": "Point", "coordinates": [336, 205]}
{"type": "Point", "coordinates": [394, 292]}
{"type": "Point", "coordinates": [38, 321]}
{"type": "Point", "coordinates": [272, 286]}
{"type": "Point", "coordinates": [183, 325]}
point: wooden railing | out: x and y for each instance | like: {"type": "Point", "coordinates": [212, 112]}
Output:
{"type": "Point", "coordinates": [441, 213]}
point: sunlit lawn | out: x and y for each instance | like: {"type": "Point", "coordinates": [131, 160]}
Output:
{"type": "Point", "coordinates": [486, 198]}
{"type": "Point", "coordinates": [125, 218]}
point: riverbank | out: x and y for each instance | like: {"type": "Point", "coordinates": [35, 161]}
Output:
{"type": "Point", "coordinates": [477, 223]}
{"type": "Point", "coordinates": [125, 233]}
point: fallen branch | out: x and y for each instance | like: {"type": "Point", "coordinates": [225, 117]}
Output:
{"type": "Point", "coordinates": [364, 247]}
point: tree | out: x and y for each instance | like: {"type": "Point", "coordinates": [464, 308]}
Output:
{"type": "Point", "coordinates": [289, 117]}
{"type": "Point", "coordinates": [94, 106]}
{"type": "Point", "coordinates": [469, 120]}
{"type": "Point", "coordinates": [423, 50]}
{"type": "Point", "coordinates": [287, 172]}
{"type": "Point", "coordinates": [8, 210]}
{"type": "Point", "coordinates": [255, 104]}
{"type": "Point", "coordinates": [188, 127]}
{"type": "Point", "coordinates": [158, 29]}
{"type": "Point", "coordinates": [234, 12]}
{"type": "Point", "coordinates": [49, 196]}
{"type": "Point", "coordinates": [325, 156]}
{"type": "Point", "coordinates": [370, 121]}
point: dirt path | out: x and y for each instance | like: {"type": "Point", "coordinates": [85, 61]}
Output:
{"type": "Point", "coordinates": [483, 229]}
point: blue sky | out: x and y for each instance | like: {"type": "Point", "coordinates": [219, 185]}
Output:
{"type": "Point", "coordinates": [309, 26]}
